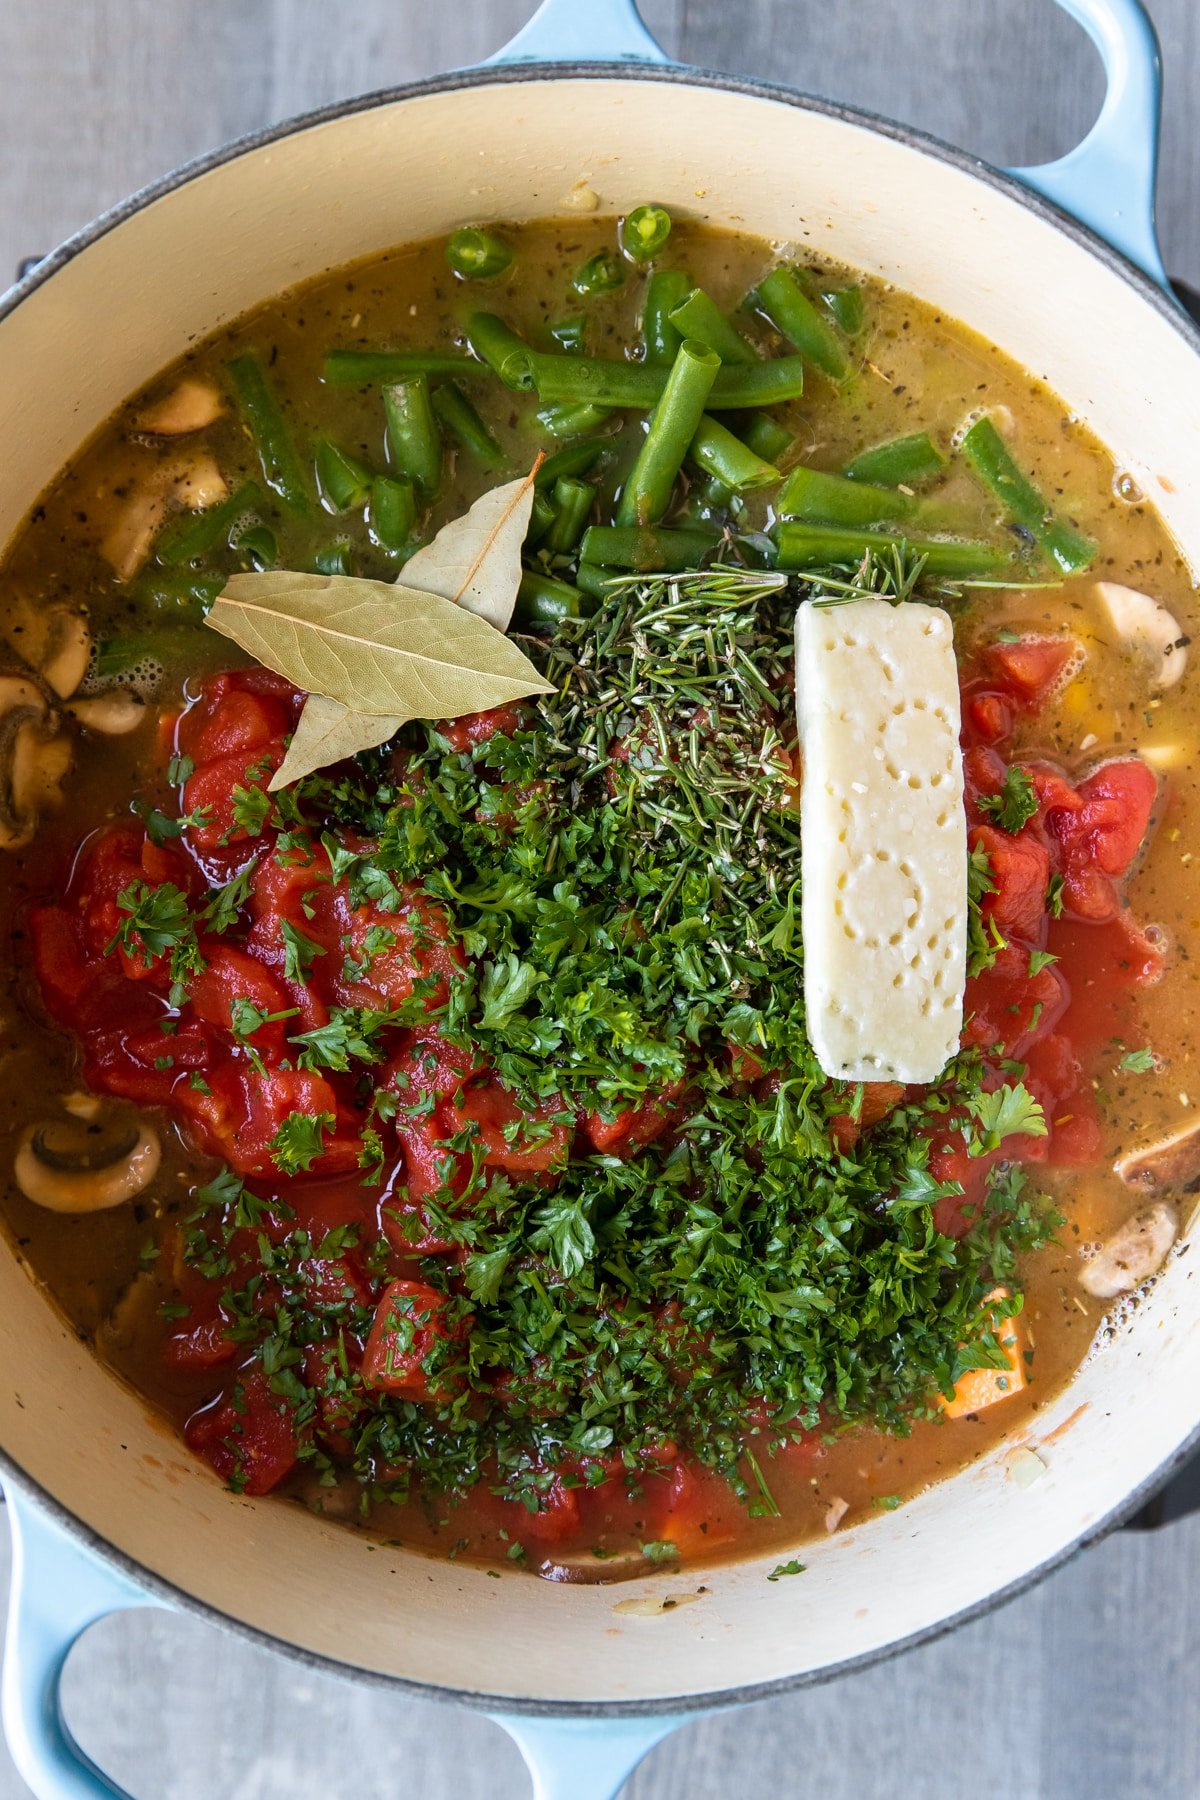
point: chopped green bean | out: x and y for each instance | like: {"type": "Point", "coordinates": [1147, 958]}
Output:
{"type": "Point", "coordinates": [501, 349]}
{"type": "Point", "coordinates": [698, 316]}
{"type": "Point", "coordinates": [117, 656]}
{"type": "Point", "coordinates": [673, 424]}
{"type": "Point", "coordinates": [193, 535]}
{"type": "Point", "coordinates": [477, 255]}
{"type": "Point", "coordinates": [544, 600]}
{"type": "Point", "coordinates": [731, 462]}
{"type": "Point", "coordinates": [365, 368]}
{"type": "Point", "coordinates": [462, 421]}
{"type": "Point", "coordinates": [573, 501]}
{"type": "Point", "coordinates": [575, 459]}
{"type": "Point", "coordinates": [835, 500]}
{"type": "Point", "coordinates": [335, 559]}
{"type": "Point", "coordinates": [848, 308]}
{"type": "Point", "coordinates": [187, 597]}
{"type": "Point", "coordinates": [661, 339]}
{"type": "Point", "coordinates": [644, 232]}
{"type": "Point", "coordinates": [595, 580]}
{"type": "Point", "coordinates": [414, 443]}
{"type": "Point", "coordinates": [259, 547]}
{"type": "Point", "coordinates": [393, 513]}
{"type": "Point", "coordinates": [766, 437]}
{"type": "Point", "coordinates": [569, 334]}
{"type": "Point", "coordinates": [603, 273]}
{"type": "Point", "coordinates": [604, 382]}
{"type": "Point", "coordinates": [262, 414]}
{"type": "Point", "coordinates": [902, 462]}
{"type": "Point", "coordinates": [344, 481]}
{"type": "Point", "coordinates": [542, 515]}
{"type": "Point", "coordinates": [783, 301]}
{"type": "Point", "coordinates": [647, 550]}
{"type": "Point", "coordinates": [802, 546]}
{"type": "Point", "coordinates": [990, 459]}
{"type": "Point", "coordinates": [573, 420]}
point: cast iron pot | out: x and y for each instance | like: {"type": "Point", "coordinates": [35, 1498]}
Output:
{"type": "Point", "coordinates": [108, 1510]}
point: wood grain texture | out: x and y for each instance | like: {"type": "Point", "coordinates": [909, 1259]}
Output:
{"type": "Point", "coordinates": [1084, 1689]}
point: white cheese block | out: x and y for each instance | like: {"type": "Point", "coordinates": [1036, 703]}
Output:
{"type": "Point", "coordinates": [883, 838]}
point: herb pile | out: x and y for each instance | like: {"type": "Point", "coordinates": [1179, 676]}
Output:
{"type": "Point", "coordinates": [623, 869]}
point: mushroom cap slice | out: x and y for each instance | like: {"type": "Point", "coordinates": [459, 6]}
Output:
{"type": "Point", "coordinates": [1134, 1252]}
{"type": "Point", "coordinates": [190, 406]}
{"type": "Point", "coordinates": [112, 715]}
{"type": "Point", "coordinates": [54, 640]}
{"type": "Point", "coordinates": [34, 757]}
{"type": "Point", "coordinates": [1146, 625]}
{"type": "Point", "coordinates": [74, 1165]}
{"type": "Point", "coordinates": [1171, 1165]}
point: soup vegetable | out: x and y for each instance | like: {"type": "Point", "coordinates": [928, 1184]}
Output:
{"type": "Point", "coordinates": [415, 1096]}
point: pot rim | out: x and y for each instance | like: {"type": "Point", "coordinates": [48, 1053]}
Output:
{"type": "Point", "coordinates": [462, 81]}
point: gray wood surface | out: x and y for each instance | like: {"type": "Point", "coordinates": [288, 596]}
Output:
{"type": "Point", "coordinates": [1085, 1689]}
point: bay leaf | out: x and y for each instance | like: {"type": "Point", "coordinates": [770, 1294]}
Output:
{"type": "Point", "coordinates": [328, 732]}
{"type": "Point", "coordinates": [374, 646]}
{"type": "Point", "coordinates": [475, 560]}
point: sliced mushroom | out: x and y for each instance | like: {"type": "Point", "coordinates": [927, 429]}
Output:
{"type": "Point", "coordinates": [34, 757]}
{"type": "Point", "coordinates": [201, 484]}
{"type": "Point", "coordinates": [190, 406]}
{"type": "Point", "coordinates": [54, 640]}
{"type": "Point", "coordinates": [112, 715]}
{"type": "Point", "coordinates": [75, 1165]}
{"type": "Point", "coordinates": [190, 480]}
{"type": "Point", "coordinates": [835, 1512]}
{"type": "Point", "coordinates": [1135, 1251]}
{"type": "Point", "coordinates": [1146, 625]}
{"type": "Point", "coordinates": [1172, 1165]}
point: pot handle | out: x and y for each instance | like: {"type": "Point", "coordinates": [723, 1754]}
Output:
{"type": "Point", "coordinates": [567, 31]}
{"type": "Point", "coordinates": [59, 1588]}
{"type": "Point", "coordinates": [1107, 182]}
{"type": "Point", "coordinates": [585, 1759]}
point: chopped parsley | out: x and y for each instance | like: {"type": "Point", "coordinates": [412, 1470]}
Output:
{"type": "Point", "coordinates": [1138, 1062]}
{"type": "Point", "coordinates": [788, 1568]}
{"type": "Point", "coordinates": [299, 1141]}
{"type": "Point", "coordinates": [1015, 804]}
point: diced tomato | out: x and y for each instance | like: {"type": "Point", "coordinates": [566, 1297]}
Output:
{"type": "Point", "coordinates": [66, 975]}
{"type": "Point", "coordinates": [431, 1170]}
{"type": "Point", "coordinates": [229, 718]}
{"type": "Point", "coordinates": [990, 717]}
{"type": "Point", "coordinates": [1118, 801]}
{"type": "Point", "coordinates": [230, 976]}
{"type": "Point", "coordinates": [211, 791]}
{"type": "Point", "coordinates": [879, 1098]}
{"type": "Point", "coordinates": [201, 1344]}
{"type": "Point", "coordinates": [1020, 872]}
{"type": "Point", "coordinates": [520, 1142]}
{"type": "Point", "coordinates": [471, 729]}
{"type": "Point", "coordinates": [407, 1350]}
{"type": "Point", "coordinates": [422, 949]}
{"type": "Point", "coordinates": [1057, 1082]}
{"type": "Point", "coordinates": [247, 1435]}
{"type": "Point", "coordinates": [242, 1112]}
{"type": "Point", "coordinates": [700, 1513]}
{"type": "Point", "coordinates": [634, 1126]}
{"type": "Point", "coordinates": [1031, 669]}
{"type": "Point", "coordinates": [1006, 1007]}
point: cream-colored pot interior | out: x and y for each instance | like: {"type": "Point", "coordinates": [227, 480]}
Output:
{"type": "Point", "coordinates": [513, 147]}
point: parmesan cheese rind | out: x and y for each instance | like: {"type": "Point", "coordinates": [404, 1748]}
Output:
{"type": "Point", "coordinates": [883, 838]}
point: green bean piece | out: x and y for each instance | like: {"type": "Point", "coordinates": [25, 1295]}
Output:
{"type": "Point", "coordinates": [542, 515]}
{"type": "Point", "coordinates": [575, 459]}
{"type": "Point", "coordinates": [569, 334]}
{"type": "Point", "coordinates": [902, 462]}
{"type": "Point", "coordinates": [117, 656]}
{"type": "Point", "coordinates": [335, 559]}
{"type": "Point", "coordinates": [848, 307]}
{"type": "Point", "coordinates": [600, 381]}
{"type": "Point", "coordinates": [603, 273]}
{"type": "Point", "coordinates": [596, 581]}
{"type": "Point", "coordinates": [193, 535]}
{"type": "Point", "coordinates": [573, 420]}
{"type": "Point", "coordinates": [393, 513]}
{"type": "Point", "coordinates": [644, 232]}
{"type": "Point", "coordinates": [185, 597]}
{"type": "Point", "coordinates": [673, 424]}
{"type": "Point", "coordinates": [477, 255]}
{"type": "Point", "coordinates": [374, 368]}
{"type": "Point", "coordinates": [646, 550]}
{"type": "Point", "coordinates": [544, 600]}
{"type": "Point", "coordinates": [990, 459]}
{"type": "Point", "coordinates": [573, 501]}
{"type": "Point", "coordinates": [462, 421]}
{"type": "Point", "coordinates": [414, 443]}
{"type": "Point", "coordinates": [731, 462]}
{"type": "Point", "coordinates": [698, 316]}
{"type": "Point", "coordinates": [835, 500]}
{"type": "Point", "coordinates": [259, 547]}
{"type": "Point", "coordinates": [803, 546]}
{"type": "Point", "coordinates": [495, 344]}
{"type": "Point", "coordinates": [344, 481]}
{"type": "Point", "coordinates": [766, 437]}
{"type": "Point", "coordinates": [781, 298]}
{"type": "Point", "coordinates": [282, 469]}
{"type": "Point", "coordinates": [661, 339]}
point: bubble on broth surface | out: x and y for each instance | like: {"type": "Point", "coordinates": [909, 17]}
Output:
{"type": "Point", "coordinates": [142, 679]}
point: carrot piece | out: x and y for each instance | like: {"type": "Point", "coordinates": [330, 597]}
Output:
{"type": "Point", "coordinates": [983, 1387]}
